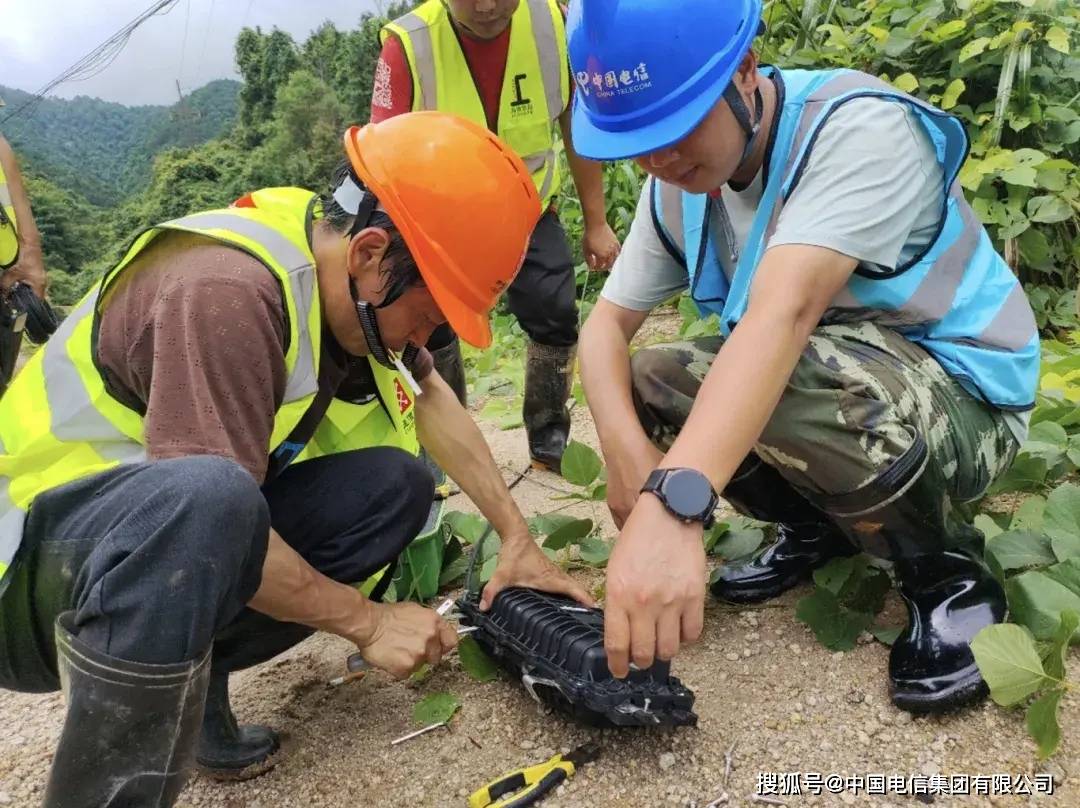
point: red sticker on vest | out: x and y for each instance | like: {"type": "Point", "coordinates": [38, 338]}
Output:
{"type": "Point", "coordinates": [403, 400]}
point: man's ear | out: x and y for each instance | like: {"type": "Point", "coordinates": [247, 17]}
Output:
{"type": "Point", "coordinates": [746, 76]}
{"type": "Point", "coordinates": [364, 256]}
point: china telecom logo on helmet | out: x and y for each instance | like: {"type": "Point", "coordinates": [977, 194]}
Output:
{"type": "Point", "coordinates": [614, 82]}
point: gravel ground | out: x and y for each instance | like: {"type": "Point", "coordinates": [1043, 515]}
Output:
{"type": "Point", "coordinates": [763, 684]}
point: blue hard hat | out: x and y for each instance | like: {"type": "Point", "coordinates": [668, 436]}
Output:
{"type": "Point", "coordinates": [649, 71]}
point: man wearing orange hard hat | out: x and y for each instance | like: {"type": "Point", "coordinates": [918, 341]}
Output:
{"type": "Point", "coordinates": [220, 442]}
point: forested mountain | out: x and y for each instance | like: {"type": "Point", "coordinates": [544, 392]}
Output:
{"type": "Point", "coordinates": [104, 151]}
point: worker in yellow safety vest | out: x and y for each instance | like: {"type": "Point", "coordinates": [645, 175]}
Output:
{"type": "Point", "coordinates": [504, 65]}
{"type": "Point", "coordinates": [20, 258]}
{"type": "Point", "coordinates": [222, 437]}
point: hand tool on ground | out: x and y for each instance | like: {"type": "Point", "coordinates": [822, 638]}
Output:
{"type": "Point", "coordinates": [529, 785]}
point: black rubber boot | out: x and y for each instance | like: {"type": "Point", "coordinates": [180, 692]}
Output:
{"type": "Point", "coordinates": [805, 537]}
{"type": "Point", "coordinates": [130, 731]}
{"type": "Point", "coordinates": [548, 374]}
{"type": "Point", "coordinates": [949, 592]}
{"type": "Point", "coordinates": [229, 750]}
{"type": "Point", "coordinates": [451, 367]}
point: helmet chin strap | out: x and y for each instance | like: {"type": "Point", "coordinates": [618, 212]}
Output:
{"type": "Point", "coordinates": [365, 313]}
{"type": "Point", "coordinates": [369, 324]}
{"type": "Point", "coordinates": [355, 199]}
{"type": "Point", "coordinates": [751, 126]}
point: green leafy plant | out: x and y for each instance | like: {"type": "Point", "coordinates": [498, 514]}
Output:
{"type": "Point", "coordinates": [435, 708]}
{"type": "Point", "coordinates": [1018, 669]}
{"type": "Point", "coordinates": [475, 662]}
{"type": "Point", "coordinates": [1008, 71]}
{"type": "Point", "coordinates": [849, 594]}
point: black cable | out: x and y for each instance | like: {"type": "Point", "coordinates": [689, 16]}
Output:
{"type": "Point", "coordinates": [97, 59]}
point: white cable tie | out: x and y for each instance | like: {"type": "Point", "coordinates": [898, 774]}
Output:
{"type": "Point", "coordinates": [404, 371]}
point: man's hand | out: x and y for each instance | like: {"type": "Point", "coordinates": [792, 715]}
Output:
{"type": "Point", "coordinates": [523, 563]}
{"type": "Point", "coordinates": [655, 588]}
{"type": "Point", "coordinates": [600, 246]}
{"type": "Point", "coordinates": [404, 636]}
{"type": "Point", "coordinates": [627, 472]}
{"type": "Point", "coordinates": [29, 269]}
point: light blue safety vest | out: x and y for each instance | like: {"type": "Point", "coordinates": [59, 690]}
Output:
{"type": "Point", "coordinates": [958, 299]}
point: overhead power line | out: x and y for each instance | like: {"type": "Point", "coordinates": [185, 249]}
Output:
{"type": "Point", "coordinates": [96, 60]}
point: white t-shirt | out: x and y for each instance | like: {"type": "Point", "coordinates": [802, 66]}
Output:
{"type": "Point", "coordinates": [872, 189]}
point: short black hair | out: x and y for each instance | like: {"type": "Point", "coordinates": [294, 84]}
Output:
{"type": "Point", "coordinates": [398, 265]}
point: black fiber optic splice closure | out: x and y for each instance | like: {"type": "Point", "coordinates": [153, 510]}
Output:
{"type": "Point", "coordinates": [556, 647]}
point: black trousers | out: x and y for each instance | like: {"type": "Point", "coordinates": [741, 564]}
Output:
{"type": "Point", "coordinates": [543, 296]}
{"type": "Point", "coordinates": [156, 559]}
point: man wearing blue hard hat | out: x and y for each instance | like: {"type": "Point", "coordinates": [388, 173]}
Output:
{"type": "Point", "coordinates": [877, 359]}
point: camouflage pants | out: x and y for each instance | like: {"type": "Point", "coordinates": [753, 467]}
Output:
{"type": "Point", "coordinates": [858, 399]}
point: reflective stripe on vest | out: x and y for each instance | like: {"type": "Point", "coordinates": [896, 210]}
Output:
{"type": "Point", "coordinates": [959, 300]}
{"type": "Point", "coordinates": [535, 88]}
{"type": "Point", "coordinates": [9, 234]}
{"type": "Point", "coordinates": [58, 423]}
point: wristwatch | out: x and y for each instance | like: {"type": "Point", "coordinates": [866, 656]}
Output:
{"type": "Point", "coordinates": [686, 493]}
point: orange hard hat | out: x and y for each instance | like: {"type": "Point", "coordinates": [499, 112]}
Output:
{"type": "Point", "coordinates": [463, 201]}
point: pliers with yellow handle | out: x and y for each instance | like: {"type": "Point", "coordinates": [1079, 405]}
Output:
{"type": "Point", "coordinates": [529, 785]}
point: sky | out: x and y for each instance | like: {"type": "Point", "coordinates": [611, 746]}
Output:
{"type": "Point", "coordinates": [192, 42]}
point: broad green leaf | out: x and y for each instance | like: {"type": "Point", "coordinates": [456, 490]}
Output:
{"type": "Point", "coordinates": [689, 310]}
{"type": "Point", "coordinates": [488, 569]}
{"type": "Point", "coordinates": [544, 524]}
{"type": "Point", "coordinates": [711, 536]}
{"type": "Point", "coordinates": [570, 533]}
{"type": "Point", "coordinates": [466, 526]}
{"type": "Point", "coordinates": [906, 82]}
{"type": "Point", "coordinates": [738, 543]}
{"type": "Point", "coordinates": [1028, 157]}
{"type": "Point", "coordinates": [1036, 601]}
{"type": "Point", "coordinates": [1061, 520]}
{"type": "Point", "coordinates": [1048, 209]}
{"type": "Point", "coordinates": [886, 634]}
{"type": "Point", "coordinates": [1025, 176]}
{"type": "Point", "coordinates": [1042, 722]}
{"type": "Point", "coordinates": [952, 93]}
{"type": "Point", "coordinates": [1057, 38]}
{"type": "Point", "coordinates": [435, 708]}
{"type": "Point", "coordinates": [1027, 473]}
{"type": "Point", "coordinates": [987, 526]}
{"type": "Point", "coordinates": [421, 674]}
{"type": "Point", "coordinates": [1033, 243]}
{"type": "Point", "coordinates": [580, 464]}
{"type": "Point", "coordinates": [1066, 573]}
{"type": "Point", "coordinates": [973, 48]}
{"type": "Point", "coordinates": [833, 575]}
{"type": "Point", "coordinates": [865, 590]}
{"type": "Point", "coordinates": [1052, 179]}
{"type": "Point", "coordinates": [1054, 661]}
{"type": "Point", "coordinates": [1009, 662]}
{"type": "Point", "coordinates": [835, 626]}
{"type": "Point", "coordinates": [949, 30]}
{"type": "Point", "coordinates": [898, 43]}
{"type": "Point", "coordinates": [453, 572]}
{"type": "Point", "coordinates": [475, 661]}
{"type": "Point", "coordinates": [1016, 550]}
{"type": "Point", "coordinates": [595, 551]}
{"type": "Point", "coordinates": [1029, 516]}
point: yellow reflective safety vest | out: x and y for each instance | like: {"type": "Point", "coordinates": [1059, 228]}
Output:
{"type": "Point", "coordinates": [535, 88]}
{"type": "Point", "coordinates": [9, 235]}
{"type": "Point", "coordinates": [58, 423]}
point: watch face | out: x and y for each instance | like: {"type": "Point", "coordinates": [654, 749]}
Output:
{"type": "Point", "coordinates": [688, 492]}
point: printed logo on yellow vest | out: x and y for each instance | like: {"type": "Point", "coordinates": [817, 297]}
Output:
{"type": "Point", "coordinates": [521, 105]}
{"type": "Point", "coordinates": [404, 402]}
